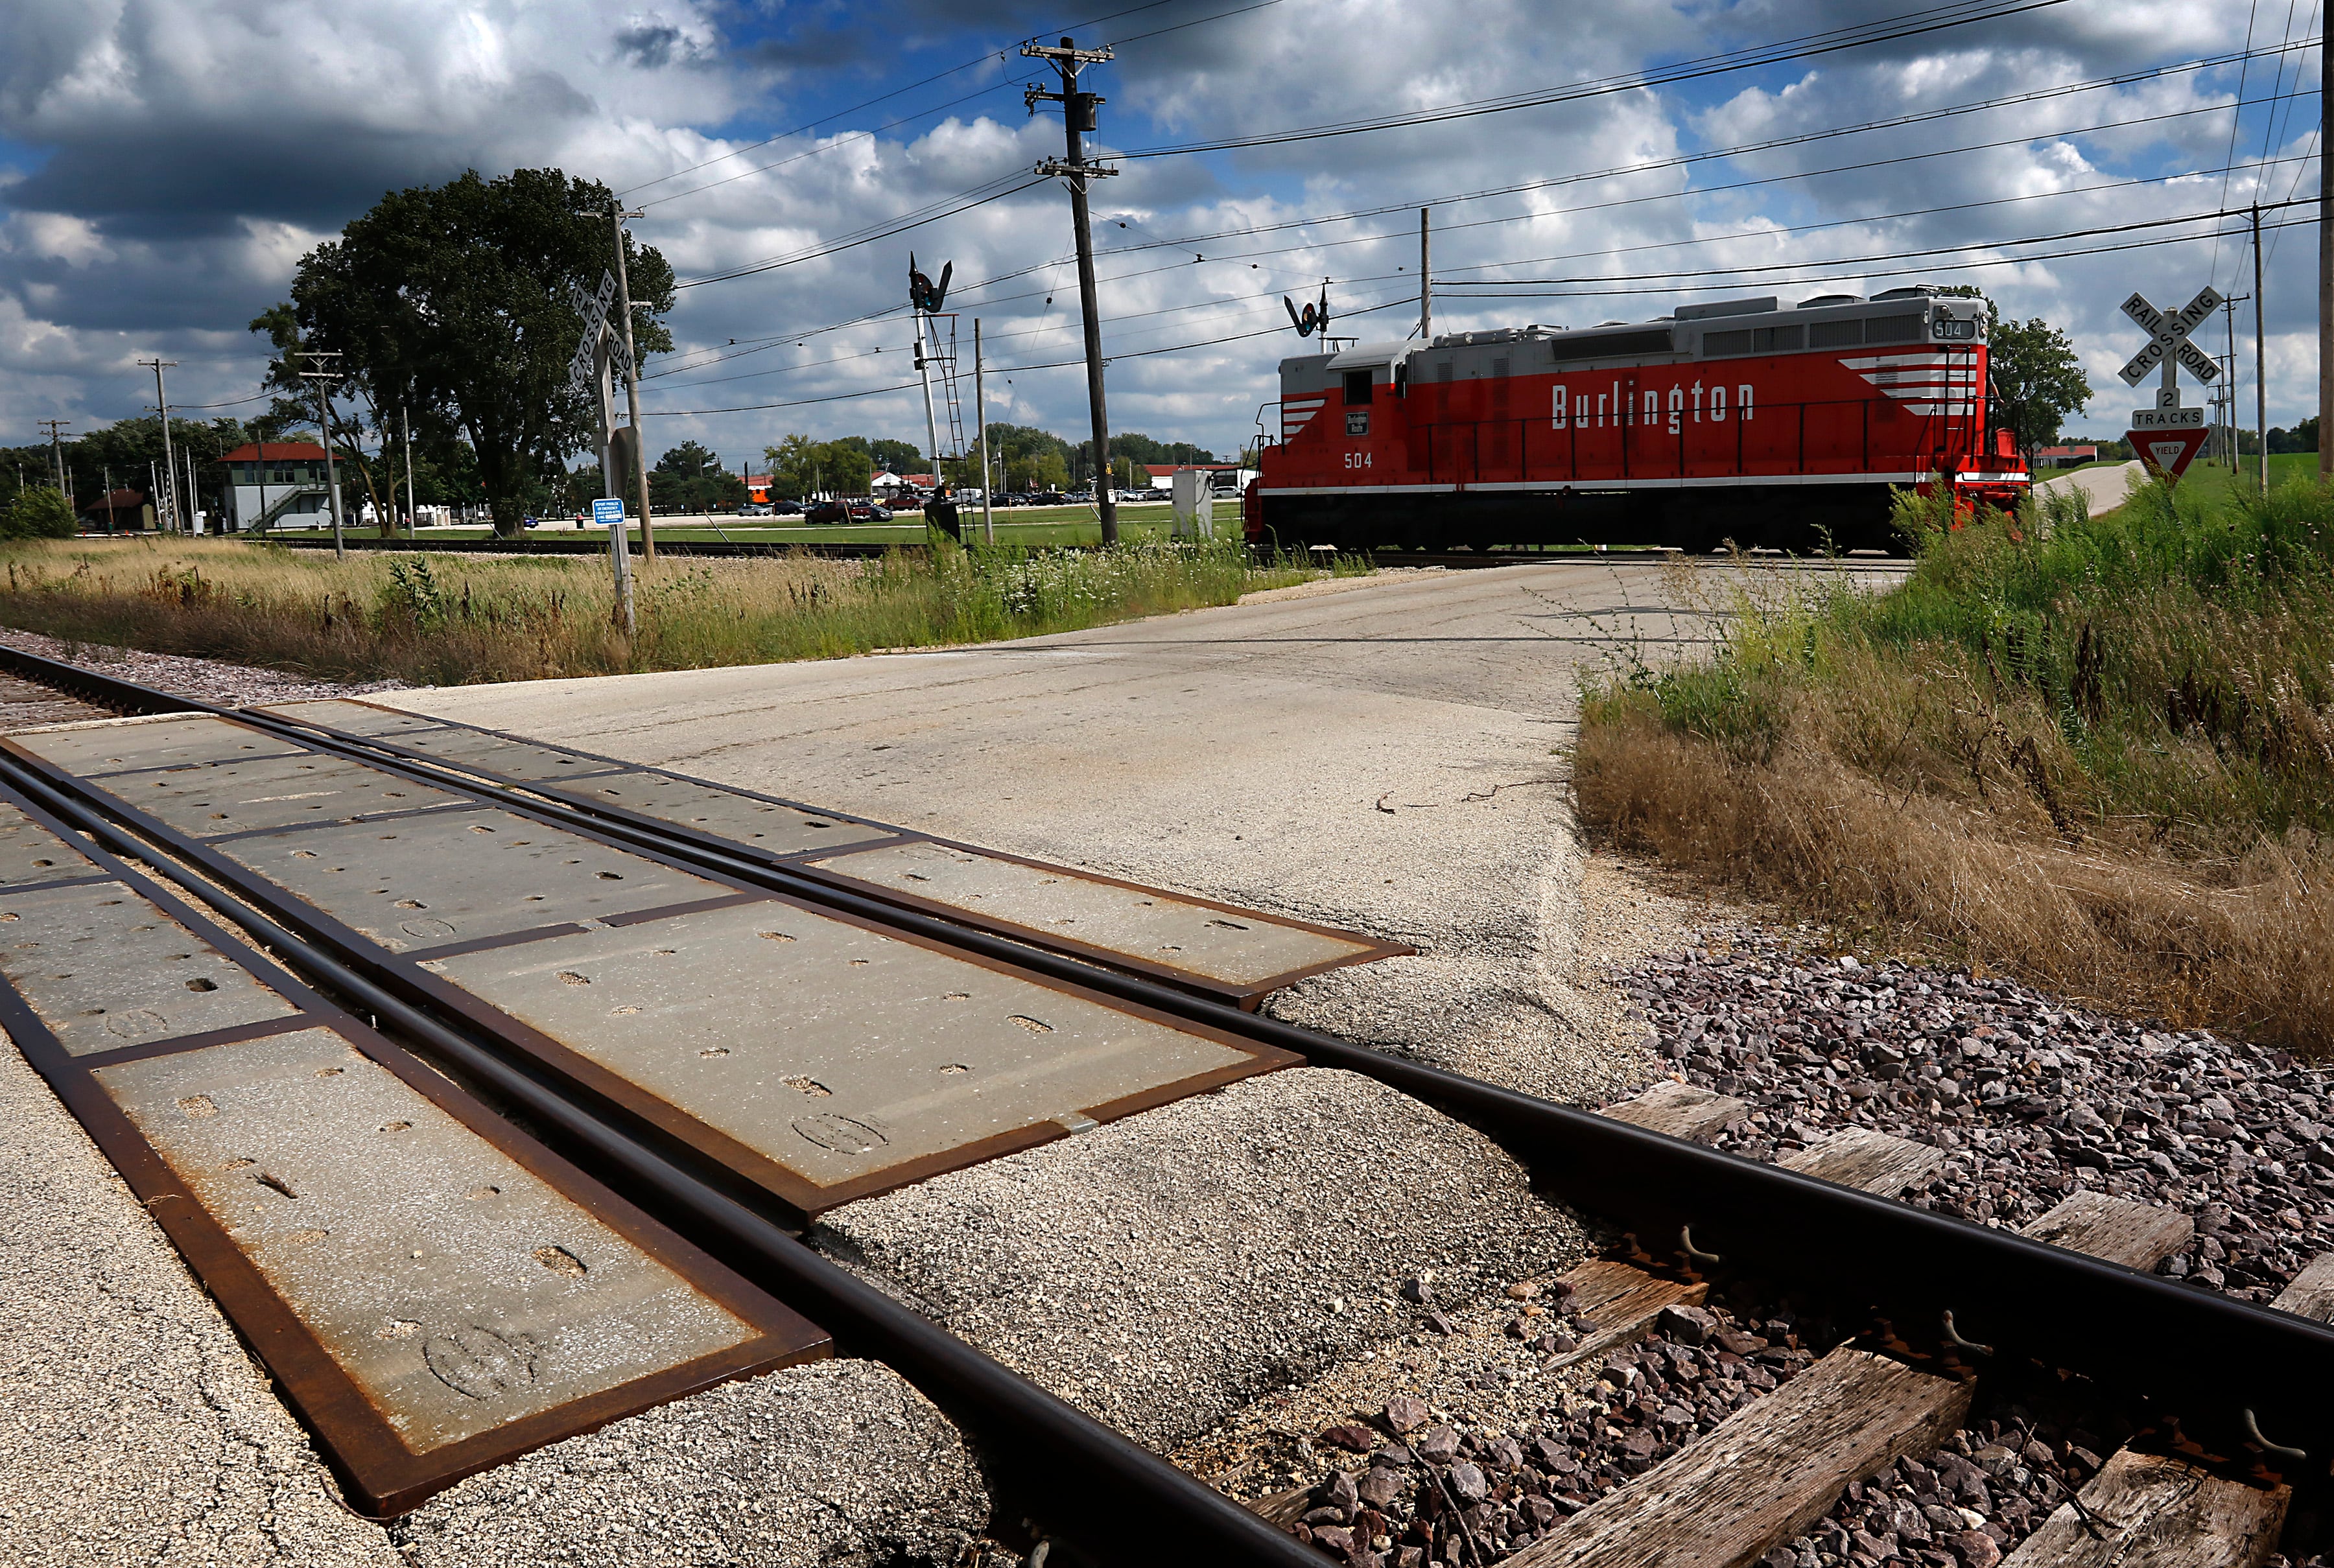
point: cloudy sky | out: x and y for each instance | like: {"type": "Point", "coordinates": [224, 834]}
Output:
{"type": "Point", "coordinates": [165, 163]}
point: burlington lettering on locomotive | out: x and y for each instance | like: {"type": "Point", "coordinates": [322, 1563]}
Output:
{"type": "Point", "coordinates": [1746, 422]}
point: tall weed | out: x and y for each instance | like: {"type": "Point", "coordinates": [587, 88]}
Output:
{"type": "Point", "coordinates": [2101, 749]}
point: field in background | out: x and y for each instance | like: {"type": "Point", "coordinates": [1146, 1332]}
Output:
{"type": "Point", "coordinates": [447, 619]}
{"type": "Point", "coordinates": [2097, 751]}
{"type": "Point", "coordinates": [1030, 527]}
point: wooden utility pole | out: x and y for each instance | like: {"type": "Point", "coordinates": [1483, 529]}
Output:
{"type": "Point", "coordinates": [1077, 119]}
{"type": "Point", "coordinates": [170, 459]}
{"type": "Point", "coordinates": [980, 417]}
{"type": "Point", "coordinates": [633, 392]}
{"type": "Point", "coordinates": [2324, 276]}
{"type": "Point", "coordinates": [1425, 287]}
{"type": "Point", "coordinates": [323, 380]}
{"type": "Point", "coordinates": [57, 453]}
{"type": "Point", "coordinates": [2261, 380]}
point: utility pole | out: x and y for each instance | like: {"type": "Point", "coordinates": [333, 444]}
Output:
{"type": "Point", "coordinates": [162, 408]}
{"type": "Point", "coordinates": [633, 392]}
{"type": "Point", "coordinates": [2325, 274]}
{"type": "Point", "coordinates": [1425, 287]}
{"type": "Point", "coordinates": [324, 428]}
{"type": "Point", "coordinates": [260, 523]}
{"type": "Point", "coordinates": [412, 507]}
{"type": "Point", "coordinates": [1077, 119]}
{"type": "Point", "coordinates": [924, 371]}
{"type": "Point", "coordinates": [980, 417]}
{"type": "Point", "coordinates": [57, 452]}
{"type": "Point", "coordinates": [2260, 377]}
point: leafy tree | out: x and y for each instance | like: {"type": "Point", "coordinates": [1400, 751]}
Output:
{"type": "Point", "coordinates": [690, 478]}
{"type": "Point", "coordinates": [898, 456]}
{"type": "Point", "coordinates": [2302, 437]}
{"type": "Point", "coordinates": [1037, 470]}
{"type": "Point", "coordinates": [1155, 454]}
{"type": "Point", "coordinates": [800, 466]}
{"type": "Point", "coordinates": [39, 512]}
{"type": "Point", "coordinates": [451, 304]}
{"type": "Point", "coordinates": [2035, 378]}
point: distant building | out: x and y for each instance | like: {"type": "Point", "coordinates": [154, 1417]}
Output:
{"type": "Point", "coordinates": [118, 512]}
{"type": "Point", "coordinates": [287, 488]}
{"type": "Point", "coordinates": [2065, 456]}
{"type": "Point", "coordinates": [758, 487]}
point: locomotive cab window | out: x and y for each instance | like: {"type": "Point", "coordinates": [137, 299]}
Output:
{"type": "Point", "coordinates": [1357, 386]}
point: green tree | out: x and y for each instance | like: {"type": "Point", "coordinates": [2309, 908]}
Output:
{"type": "Point", "coordinates": [39, 512]}
{"type": "Point", "coordinates": [2037, 381]}
{"type": "Point", "coordinates": [2034, 377]}
{"type": "Point", "coordinates": [690, 478]}
{"type": "Point", "coordinates": [898, 456]}
{"type": "Point", "coordinates": [449, 302]}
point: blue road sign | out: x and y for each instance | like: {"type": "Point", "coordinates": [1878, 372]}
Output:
{"type": "Point", "coordinates": [608, 512]}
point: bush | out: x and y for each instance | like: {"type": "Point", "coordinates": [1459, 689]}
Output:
{"type": "Point", "coordinates": [39, 513]}
{"type": "Point", "coordinates": [2100, 750]}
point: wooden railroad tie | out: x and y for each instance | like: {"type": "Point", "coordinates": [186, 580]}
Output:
{"type": "Point", "coordinates": [1772, 1470]}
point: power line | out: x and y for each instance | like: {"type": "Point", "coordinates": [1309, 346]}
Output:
{"type": "Point", "coordinates": [1852, 262]}
{"type": "Point", "coordinates": [1912, 25]}
{"type": "Point", "coordinates": [1847, 222]}
{"type": "Point", "coordinates": [1690, 159]}
{"type": "Point", "coordinates": [1866, 271]}
{"type": "Point", "coordinates": [1899, 121]}
{"type": "Point", "coordinates": [870, 134]}
{"type": "Point", "coordinates": [981, 59]}
{"type": "Point", "coordinates": [915, 219]}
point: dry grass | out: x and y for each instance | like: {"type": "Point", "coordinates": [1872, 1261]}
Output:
{"type": "Point", "coordinates": [449, 619]}
{"type": "Point", "coordinates": [2103, 759]}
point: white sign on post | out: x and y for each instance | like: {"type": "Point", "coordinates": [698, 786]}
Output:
{"type": "Point", "coordinates": [2168, 344]}
{"type": "Point", "coordinates": [593, 309]}
{"type": "Point", "coordinates": [2168, 349]}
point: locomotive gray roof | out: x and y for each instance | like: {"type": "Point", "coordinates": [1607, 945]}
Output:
{"type": "Point", "coordinates": [1675, 338]}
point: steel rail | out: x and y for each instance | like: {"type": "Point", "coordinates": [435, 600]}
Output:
{"type": "Point", "coordinates": [2137, 1334]}
{"type": "Point", "coordinates": [1112, 1500]}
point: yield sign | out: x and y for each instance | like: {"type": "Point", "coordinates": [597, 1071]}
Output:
{"type": "Point", "coordinates": [2168, 335]}
{"type": "Point", "coordinates": [2166, 452]}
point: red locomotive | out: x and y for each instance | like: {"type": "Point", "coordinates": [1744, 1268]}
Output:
{"type": "Point", "coordinates": [1740, 420]}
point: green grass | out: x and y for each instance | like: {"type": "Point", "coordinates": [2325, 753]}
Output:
{"type": "Point", "coordinates": [2100, 749]}
{"type": "Point", "coordinates": [445, 620]}
{"type": "Point", "coordinates": [1030, 527]}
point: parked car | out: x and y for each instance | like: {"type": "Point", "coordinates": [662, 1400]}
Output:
{"type": "Point", "coordinates": [827, 511]}
{"type": "Point", "coordinates": [755, 509]}
{"type": "Point", "coordinates": [785, 508]}
{"type": "Point", "coordinates": [878, 512]}
{"type": "Point", "coordinates": [1049, 498]}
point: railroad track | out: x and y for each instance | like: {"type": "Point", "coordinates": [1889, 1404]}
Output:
{"type": "Point", "coordinates": [232, 827]}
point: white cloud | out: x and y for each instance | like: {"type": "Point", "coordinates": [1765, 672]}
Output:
{"type": "Point", "coordinates": [186, 153]}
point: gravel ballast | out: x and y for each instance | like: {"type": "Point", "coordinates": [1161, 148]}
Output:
{"type": "Point", "coordinates": [2029, 1098]}
{"type": "Point", "coordinates": [208, 679]}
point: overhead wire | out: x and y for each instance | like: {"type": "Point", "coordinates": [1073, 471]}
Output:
{"type": "Point", "coordinates": [1811, 46]}
{"type": "Point", "coordinates": [2094, 127]}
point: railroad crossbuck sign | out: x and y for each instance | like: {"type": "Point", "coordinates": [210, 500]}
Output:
{"type": "Point", "coordinates": [2167, 437]}
{"type": "Point", "coordinates": [593, 309]}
